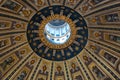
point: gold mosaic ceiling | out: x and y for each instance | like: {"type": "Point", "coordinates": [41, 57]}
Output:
{"type": "Point", "coordinates": [91, 53]}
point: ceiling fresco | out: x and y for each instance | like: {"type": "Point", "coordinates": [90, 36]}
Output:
{"type": "Point", "coordinates": [92, 51]}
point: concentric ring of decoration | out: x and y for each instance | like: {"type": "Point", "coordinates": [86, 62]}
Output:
{"type": "Point", "coordinates": [55, 46]}
{"type": "Point", "coordinates": [42, 47]}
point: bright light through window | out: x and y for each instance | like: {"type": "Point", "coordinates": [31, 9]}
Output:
{"type": "Point", "coordinates": [57, 31]}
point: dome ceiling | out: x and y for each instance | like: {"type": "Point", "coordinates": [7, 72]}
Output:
{"type": "Point", "coordinates": [29, 49]}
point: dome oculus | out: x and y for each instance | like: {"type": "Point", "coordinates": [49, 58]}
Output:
{"type": "Point", "coordinates": [57, 31]}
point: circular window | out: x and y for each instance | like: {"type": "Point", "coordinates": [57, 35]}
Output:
{"type": "Point", "coordinates": [57, 31]}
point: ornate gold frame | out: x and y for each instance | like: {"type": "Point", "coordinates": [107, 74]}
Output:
{"type": "Point", "coordinates": [56, 46]}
